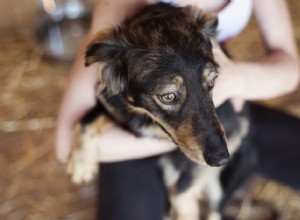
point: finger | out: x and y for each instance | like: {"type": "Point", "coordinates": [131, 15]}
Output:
{"type": "Point", "coordinates": [217, 100]}
{"type": "Point", "coordinates": [218, 92]}
{"type": "Point", "coordinates": [217, 50]}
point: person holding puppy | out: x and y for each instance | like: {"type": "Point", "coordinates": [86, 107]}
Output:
{"type": "Point", "coordinates": [130, 162]}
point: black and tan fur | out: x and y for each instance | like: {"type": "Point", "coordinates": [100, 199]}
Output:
{"type": "Point", "coordinates": [157, 73]}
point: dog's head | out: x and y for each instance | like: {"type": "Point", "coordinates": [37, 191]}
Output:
{"type": "Point", "coordinates": [161, 62]}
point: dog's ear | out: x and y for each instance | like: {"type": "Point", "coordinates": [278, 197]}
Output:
{"type": "Point", "coordinates": [207, 23]}
{"type": "Point", "coordinates": [105, 46]}
{"type": "Point", "coordinates": [109, 48]}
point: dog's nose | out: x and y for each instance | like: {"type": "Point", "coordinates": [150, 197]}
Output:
{"type": "Point", "coordinates": [218, 160]}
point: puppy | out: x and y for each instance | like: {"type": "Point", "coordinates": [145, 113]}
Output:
{"type": "Point", "coordinates": [157, 72]}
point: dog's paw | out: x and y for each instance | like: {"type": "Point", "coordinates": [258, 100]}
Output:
{"type": "Point", "coordinates": [83, 165]}
{"type": "Point", "coordinates": [214, 216]}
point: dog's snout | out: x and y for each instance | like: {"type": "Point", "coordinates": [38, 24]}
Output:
{"type": "Point", "coordinates": [218, 160]}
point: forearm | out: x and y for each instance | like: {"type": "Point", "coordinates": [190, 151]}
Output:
{"type": "Point", "coordinates": [127, 146]}
{"type": "Point", "coordinates": [276, 74]}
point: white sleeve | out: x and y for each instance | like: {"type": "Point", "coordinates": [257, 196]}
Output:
{"type": "Point", "coordinates": [233, 18]}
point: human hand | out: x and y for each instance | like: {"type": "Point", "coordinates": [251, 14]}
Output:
{"type": "Point", "coordinates": [128, 146]}
{"type": "Point", "coordinates": [228, 84]}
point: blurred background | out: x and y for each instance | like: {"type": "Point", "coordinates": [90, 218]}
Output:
{"type": "Point", "coordinates": [38, 40]}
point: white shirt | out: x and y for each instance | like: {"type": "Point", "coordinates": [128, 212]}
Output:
{"type": "Point", "coordinates": [232, 19]}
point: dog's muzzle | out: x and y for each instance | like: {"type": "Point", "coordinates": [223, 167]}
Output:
{"type": "Point", "coordinates": [215, 151]}
{"type": "Point", "coordinates": [218, 159]}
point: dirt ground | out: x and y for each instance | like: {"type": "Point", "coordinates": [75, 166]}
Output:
{"type": "Point", "coordinates": [34, 186]}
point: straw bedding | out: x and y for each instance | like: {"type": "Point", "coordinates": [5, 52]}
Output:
{"type": "Point", "coordinates": [32, 184]}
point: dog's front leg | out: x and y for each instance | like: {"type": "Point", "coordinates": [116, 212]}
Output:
{"type": "Point", "coordinates": [214, 194]}
{"type": "Point", "coordinates": [185, 206]}
{"type": "Point", "coordinates": [185, 201]}
{"type": "Point", "coordinates": [84, 163]}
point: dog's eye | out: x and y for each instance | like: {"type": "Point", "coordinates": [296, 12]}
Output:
{"type": "Point", "coordinates": [168, 98]}
{"type": "Point", "coordinates": [211, 83]}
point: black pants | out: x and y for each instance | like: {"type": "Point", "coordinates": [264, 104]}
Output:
{"type": "Point", "coordinates": [277, 139]}
{"type": "Point", "coordinates": [134, 190]}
